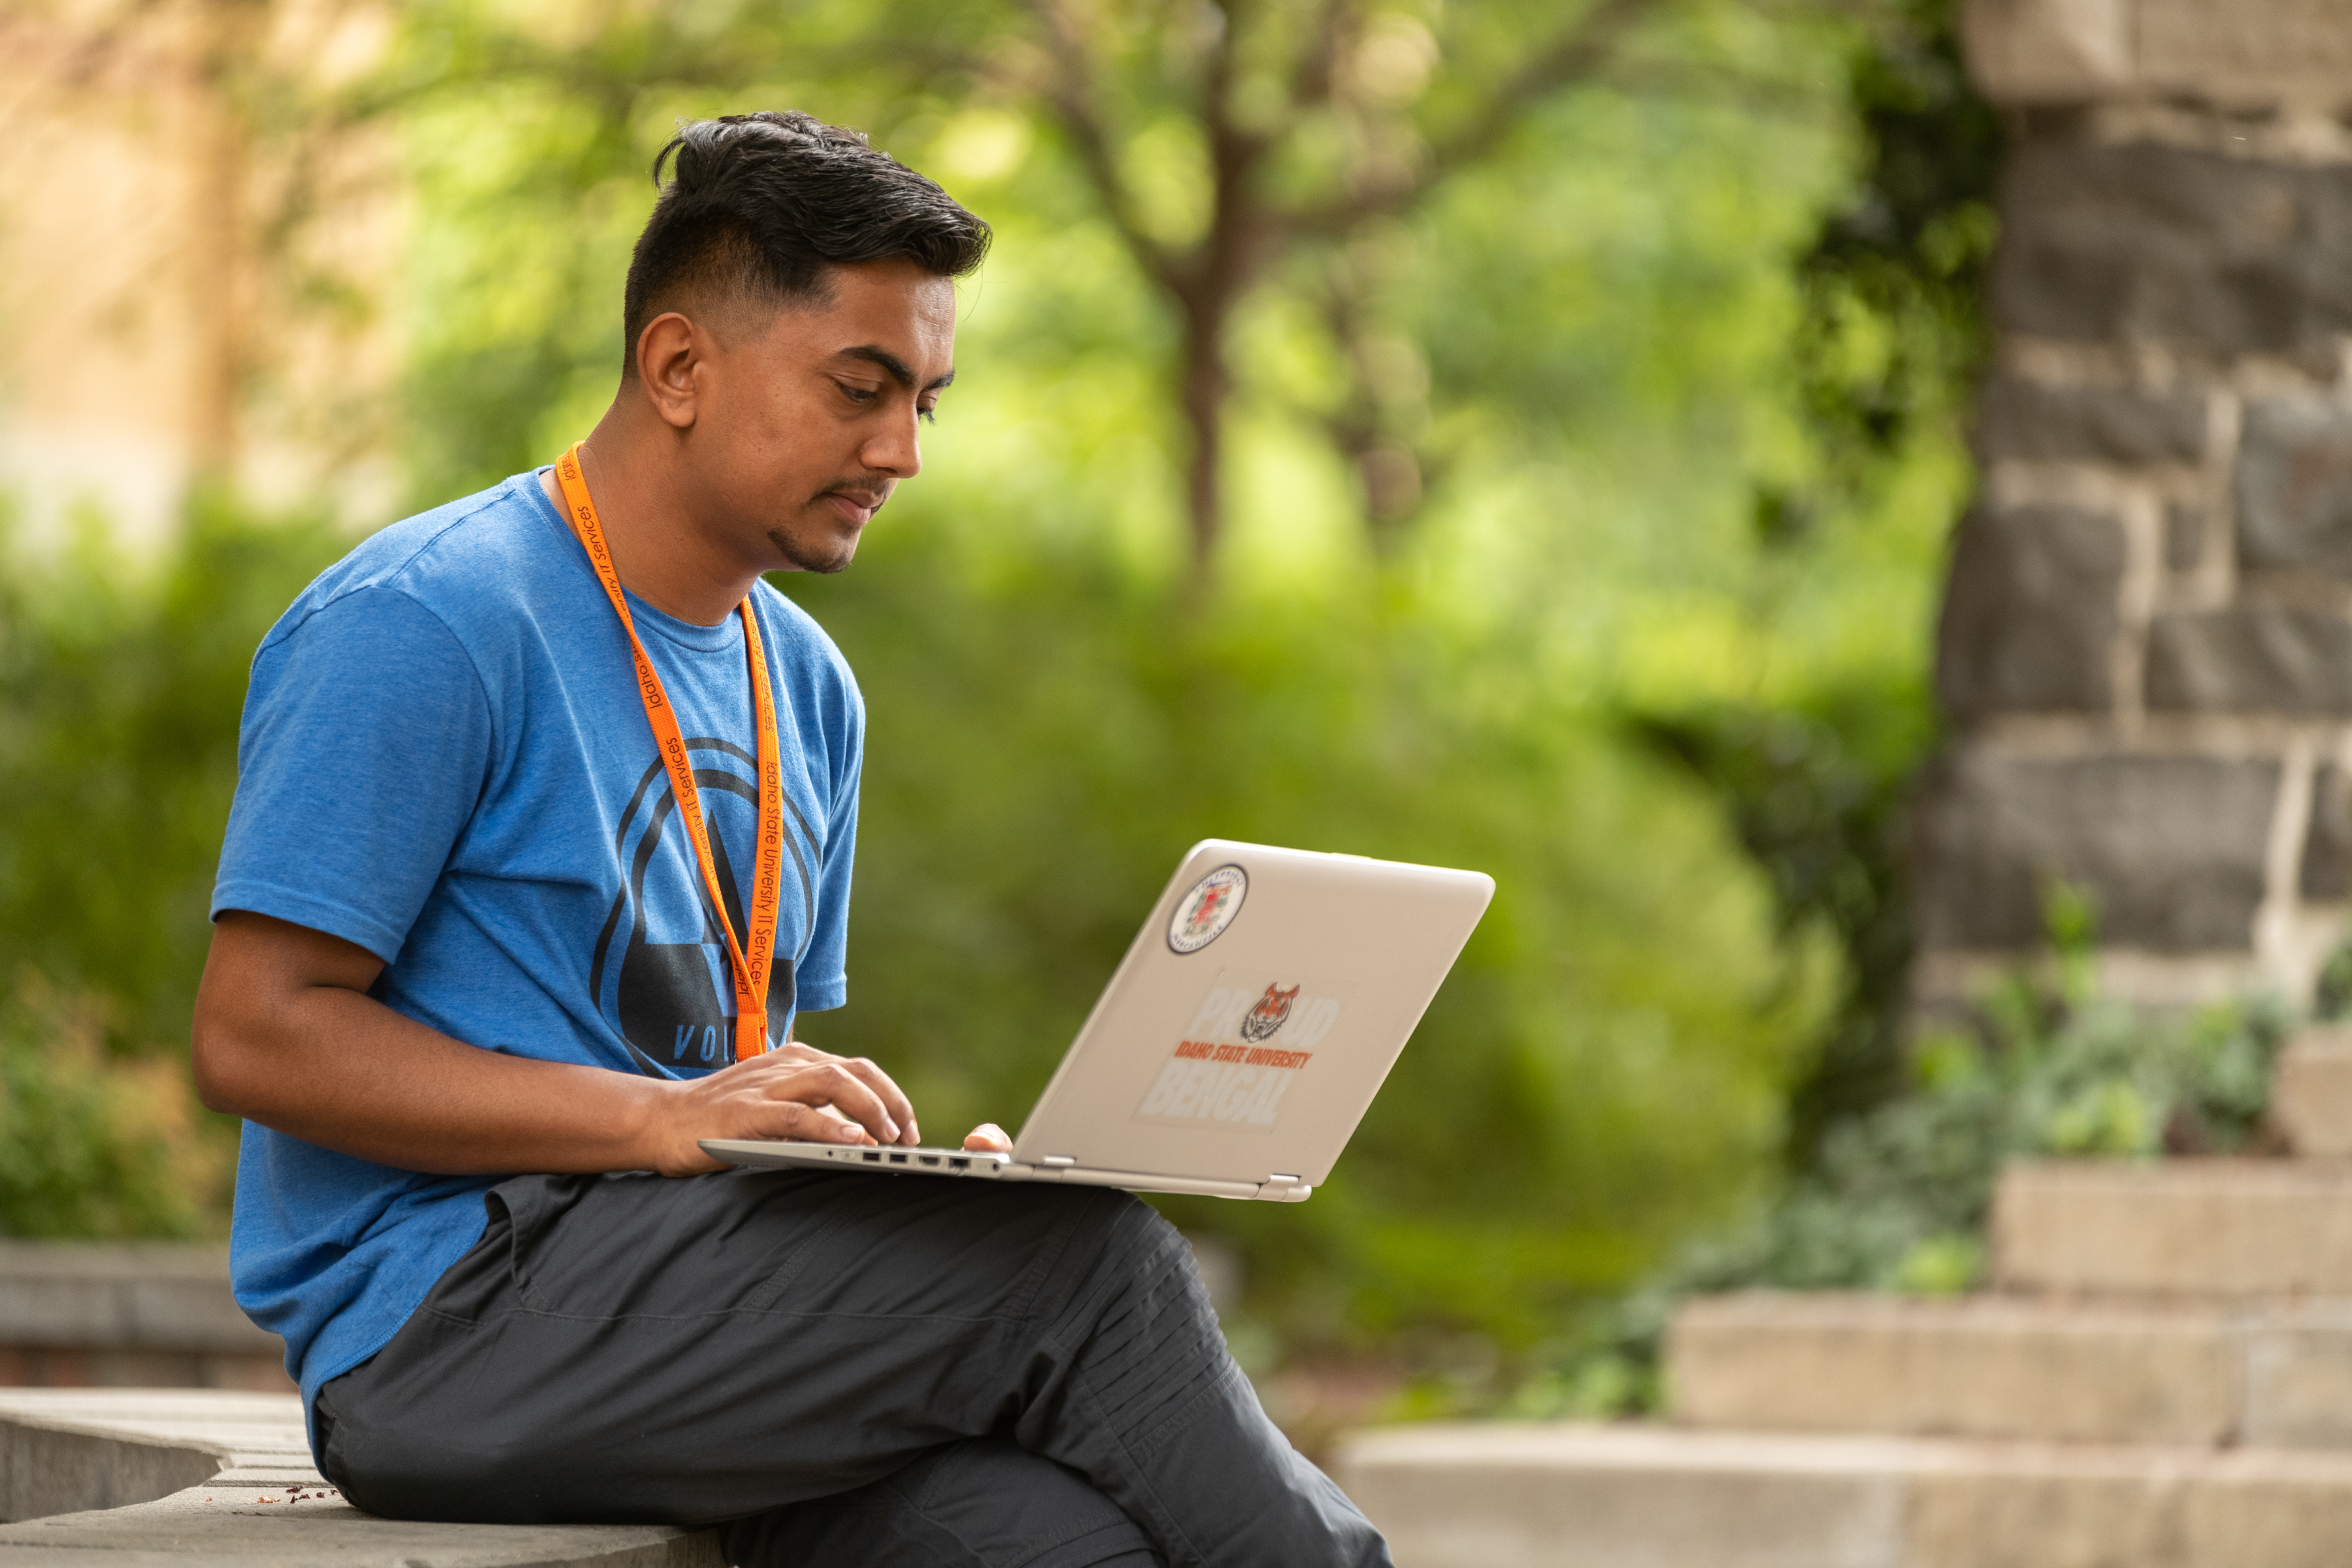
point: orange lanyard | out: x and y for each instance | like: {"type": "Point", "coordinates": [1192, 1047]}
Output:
{"type": "Point", "coordinates": [748, 962]}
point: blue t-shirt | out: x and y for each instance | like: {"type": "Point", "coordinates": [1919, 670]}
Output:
{"type": "Point", "coordinates": [444, 760]}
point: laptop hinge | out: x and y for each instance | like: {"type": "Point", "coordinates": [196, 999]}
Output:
{"type": "Point", "coordinates": [1057, 1159]}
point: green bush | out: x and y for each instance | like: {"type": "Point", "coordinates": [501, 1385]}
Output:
{"type": "Point", "coordinates": [1602, 1073]}
{"type": "Point", "coordinates": [93, 1144]}
{"type": "Point", "coordinates": [120, 682]}
{"type": "Point", "coordinates": [119, 689]}
{"type": "Point", "coordinates": [1597, 328]}
{"type": "Point", "coordinates": [1900, 1198]}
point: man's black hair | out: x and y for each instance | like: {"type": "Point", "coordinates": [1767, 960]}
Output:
{"type": "Point", "coordinates": [764, 203]}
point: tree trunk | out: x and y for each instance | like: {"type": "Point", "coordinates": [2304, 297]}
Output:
{"type": "Point", "coordinates": [1203, 400]}
{"type": "Point", "coordinates": [215, 231]}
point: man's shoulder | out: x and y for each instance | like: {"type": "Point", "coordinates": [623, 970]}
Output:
{"type": "Point", "coordinates": [477, 560]}
{"type": "Point", "coordinates": [802, 647]}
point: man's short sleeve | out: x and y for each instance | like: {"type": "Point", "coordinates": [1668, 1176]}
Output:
{"type": "Point", "coordinates": [823, 968]}
{"type": "Point", "coordinates": [366, 745]}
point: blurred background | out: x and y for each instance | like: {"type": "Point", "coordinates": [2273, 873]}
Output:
{"type": "Point", "coordinates": [1508, 433]}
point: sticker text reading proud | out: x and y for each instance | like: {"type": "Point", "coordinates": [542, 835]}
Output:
{"type": "Point", "coordinates": [1237, 1057]}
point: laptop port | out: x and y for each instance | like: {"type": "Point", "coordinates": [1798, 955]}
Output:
{"type": "Point", "coordinates": [956, 1165]}
{"type": "Point", "coordinates": [928, 1159]}
{"type": "Point", "coordinates": [873, 1156]}
{"type": "Point", "coordinates": [897, 1159]}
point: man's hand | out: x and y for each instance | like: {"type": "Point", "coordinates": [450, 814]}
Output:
{"type": "Point", "coordinates": [795, 1091]}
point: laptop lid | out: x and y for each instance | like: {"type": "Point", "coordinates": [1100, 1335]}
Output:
{"type": "Point", "coordinates": [1256, 1015]}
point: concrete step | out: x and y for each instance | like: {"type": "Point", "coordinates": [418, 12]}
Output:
{"type": "Point", "coordinates": [1638, 1496]}
{"type": "Point", "coordinates": [2311, 1090]}
{"type": "Point", "coordinates": [2272, 1375]}
{"type": "Point", "coordinates": [2175, 1227]}
{"type": "Point", "coordinates": [214, 1527]}
{"type": "Point", "coordinates": [199, 1477]}
{"type": "Point", "coordinates": [63, 1451]}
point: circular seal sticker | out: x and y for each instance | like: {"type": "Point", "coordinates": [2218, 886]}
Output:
{"type": "Point", "coordinates": [1203, 914]}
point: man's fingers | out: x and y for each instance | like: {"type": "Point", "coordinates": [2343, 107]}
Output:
{"type": "Point", "coordinates": [833, 1083]}
{"type": "Point", "coordinates": [988, 1138]}
{"type": "Point", "coordinates": [818, 1125]}
{"type": "Point", "coordinates": [893, 1098]}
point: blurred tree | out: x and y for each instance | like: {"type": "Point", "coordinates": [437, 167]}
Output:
{"type": "Point", "coordinates": [189, 220]}
{"type": "Point", "coordinates": [1575, 324]}
{"type": "Point", "coordinates": [1302, 130]}
{"type": "Point", "coordinates": [1582, 331]}
{"type": "Point", "coordinates": [1232, 146]}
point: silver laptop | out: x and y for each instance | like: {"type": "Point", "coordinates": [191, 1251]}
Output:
{"type": "Point", "coordinates": [1240, 1040]}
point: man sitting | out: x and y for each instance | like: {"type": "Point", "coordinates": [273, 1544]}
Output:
{"type": "Point", "coordinates": [542, 838]}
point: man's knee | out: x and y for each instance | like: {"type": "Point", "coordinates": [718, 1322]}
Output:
{"type": "Point", "coordinates": [1130, 1250]}
{"type": "Point", "coordinates": [985, 1502]}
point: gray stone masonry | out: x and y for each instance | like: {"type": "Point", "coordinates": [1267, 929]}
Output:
{"type": "Point", "coordinates": [2146, 643]}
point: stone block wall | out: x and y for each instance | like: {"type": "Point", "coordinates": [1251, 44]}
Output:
{"type": "Point", "coordinates": [2145, 646]}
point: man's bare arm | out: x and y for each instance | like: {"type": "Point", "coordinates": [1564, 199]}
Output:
{"type": "Point", "coordinates": [286, 1036]}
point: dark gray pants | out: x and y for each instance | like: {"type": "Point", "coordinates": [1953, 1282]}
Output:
{"type": "Point", "coordinates": [850, 1368]}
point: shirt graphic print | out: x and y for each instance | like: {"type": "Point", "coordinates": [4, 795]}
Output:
{"type": "Point", "coordinates": [667, 989]}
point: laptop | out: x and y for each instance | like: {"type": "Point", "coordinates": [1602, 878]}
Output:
{"type": "Point", "coordinates": [1239, 1041]}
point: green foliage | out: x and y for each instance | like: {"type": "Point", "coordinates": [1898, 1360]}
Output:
{"type": "Point", "coordinates": [1816, 793]}
{"type": "Point", "coordinates": [93, 1144]}
{"type": "Point", "coordinates": [1895, 280]}
{"type": "Point", "coordinates": [119, 689]}
{"type": "Point", "coordinates": [1589, 326]}
{"type": "Point", "coordinates": [1891, 328]}
{"type": "Point", "coordinates": [119, 700]}
{"type": "Point", "coordinates": [1900, 1198]}
{"type": "Point", "coordinates": [1586, 335]}
{"type": "Point", "coordinates": [1601, 1073]}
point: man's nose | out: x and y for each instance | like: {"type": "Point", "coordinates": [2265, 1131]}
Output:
{"type": "Point", "coordinates": [895, 448]}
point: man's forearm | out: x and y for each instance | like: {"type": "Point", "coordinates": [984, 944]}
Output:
{"type": "Point", "coordinates": [333, 1066]}
{"type": "Point", "coordinates": [286, 1035]}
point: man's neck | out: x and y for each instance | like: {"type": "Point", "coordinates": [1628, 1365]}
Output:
{"type": "Point", "coordinates": [661, 555]}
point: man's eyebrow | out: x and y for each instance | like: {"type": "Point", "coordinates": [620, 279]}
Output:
{"type": "Point", "coordinates": [892, 364]}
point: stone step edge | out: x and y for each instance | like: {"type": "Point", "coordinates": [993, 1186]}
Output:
{"type": "Point", "coordinates": [1545, 1445]}
{"type": "Point", "coordinates": [120, 1474]}
{"type": "Point", "coordinates": [69, 1450]}
{"type": "Point", "coordinates": [2311, 1089]}
{"type": "Point", "coordinates": [1583, 1496]}
{"type": "Point", "coordinates": [2200, 1226]}
{"type": "Point", "coordinates": [219, 1527]}
{"type": "Point", "coordinates": [2268, 1373]}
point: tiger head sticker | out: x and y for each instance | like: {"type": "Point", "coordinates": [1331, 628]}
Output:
{"type": "Point", "coordinates": [1272, 1010]}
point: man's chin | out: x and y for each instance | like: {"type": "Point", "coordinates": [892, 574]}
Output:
{"type": "Point", "coordinates": [823, 555]}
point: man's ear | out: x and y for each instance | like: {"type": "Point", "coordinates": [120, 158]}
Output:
{"type": "Point", "coordinates": [669, 351]}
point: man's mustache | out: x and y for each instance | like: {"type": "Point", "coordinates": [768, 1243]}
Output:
{"type": "Point", "coordinates": [867, 493]}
